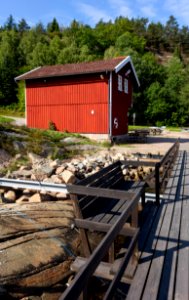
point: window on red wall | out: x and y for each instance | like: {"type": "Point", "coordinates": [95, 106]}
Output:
{"type": "Point", "coordinates": [120, 83]}
{"type": "Point", "coordinates": [126, 86]}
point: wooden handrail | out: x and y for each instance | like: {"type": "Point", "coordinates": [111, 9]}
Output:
{"type": "Point", "coordinates": [170, 153]}
{"type": "Point", "coordinates": [81, 279]}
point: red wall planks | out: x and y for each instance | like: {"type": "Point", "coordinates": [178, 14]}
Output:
{"type": "Point", "coordinates": [75, 105]}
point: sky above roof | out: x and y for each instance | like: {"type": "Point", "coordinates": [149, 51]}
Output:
{"type": "Point", "coordinates": [90, 12]}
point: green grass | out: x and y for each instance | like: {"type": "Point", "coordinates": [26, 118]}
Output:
{"type": "Point", "coordinates": [5, 120]}
{"type": "Point", "coordinates": [170, 128]}
{"type": "Point", "coordinates": [135, 127]}
{"type": "Point", "coordinates": [7, 111]}
{"type": "Point", "coordinates": [175, 129]}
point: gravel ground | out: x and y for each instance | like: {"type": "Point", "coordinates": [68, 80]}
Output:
{"type": "Point", "coordinates": [156, 144]}
{"type": "Point", "coordinates": [19, 121]}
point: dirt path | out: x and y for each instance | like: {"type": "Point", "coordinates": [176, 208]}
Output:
{"type": "Point", "coordinates": [17, 121]}
{"type": "Point", "coordinates": [156, 144]}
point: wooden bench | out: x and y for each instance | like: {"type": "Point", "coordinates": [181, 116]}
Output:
{"type": "Point", "coordinates": [163, 269]}
{"type": "Point", "coordinates": [101, 202]}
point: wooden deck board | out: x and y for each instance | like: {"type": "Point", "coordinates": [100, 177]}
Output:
{"type": "Point", "coordinates": [166, 289]}
{"type": "Point", "coordinates": [169, 228]}
{"type": "Point", "coordinates": [181, 286]}
{"type": "Point", "coordinates": [147, 279]}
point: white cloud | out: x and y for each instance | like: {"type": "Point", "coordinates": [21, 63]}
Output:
{"type": "Point", "coordinates": [120, 8]}
{"type": "Point", "coordinates": [154, 10]}
{"type": "Point", "coordinates": [179, 9]}
{"type": "Point", "coordinates": [93, 13]}
{"type": "Point", "coordinates": [148, 11]}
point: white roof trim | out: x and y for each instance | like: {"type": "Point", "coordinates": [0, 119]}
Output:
{"type": "Point", "coordinates": [123, 63]}
{"type": "Point", "coordinates": [20, 76]}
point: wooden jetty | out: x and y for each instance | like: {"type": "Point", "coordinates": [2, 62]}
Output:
{"type": "Point", "coordinates": [163, 246]}
{"type": "Point", "coordinates": [142, 248]}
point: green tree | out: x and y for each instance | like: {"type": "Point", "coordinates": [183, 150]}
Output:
{"type": "Point", "coordinates": [171, 32]}
{"type": "Point", "coordinates": [104, 36]}
{"type": "Point", "coordinates": [10, 24]}
{"type": "Point", "coordinates": [154, 36]}
{"type": "Point", "coordinates": [53, 27]}
{"type": "Point", "coordinates": [69, 54]}
{"type": "Point", "coordinates": [129, 40]}
{"type": "Point", "coordinates": [8, 66]}
{"type": "Point", "coordinates": [158, 104]}
{"type": "Point", "coordinates": [40, 55]}
{"type": "Point", "coordinates": [148, 71]}
{"type": "Point", "coordinates": [23, 26]}
{"type": "Point", "coordinates": [56, 45]}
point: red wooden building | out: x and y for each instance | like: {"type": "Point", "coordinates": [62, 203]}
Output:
{"type": "Point", "coordinates": [90, 98]}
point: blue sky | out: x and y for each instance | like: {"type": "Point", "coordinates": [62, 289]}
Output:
{"type": "Point", "coordinates": [91, 11]}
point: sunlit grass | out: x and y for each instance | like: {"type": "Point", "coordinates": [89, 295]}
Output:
{"type": "Point", "coordinates": [6, 119]}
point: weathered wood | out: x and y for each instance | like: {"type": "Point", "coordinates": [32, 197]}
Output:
{"type": "Point", "coordinates": [103, 227]}
{"type": "Point", "coordinates": [182, 273]}
{"type": "Point", "coordinates": [146, 280]}
{"type": "Point", "coordinates": [102, 192]}
{"type": "Point", "coordinates": [103, 270]}
{"type": "Point", "coordinates": [154, 276]}
{"type": "Point", "coordinates": [169, 267]}
{"type": "Point", "coordinates": [93, 261]}
{"type": "Point", "coordinates": [111, 289]}
{"type": "Point", "coordinates": [85, 242]}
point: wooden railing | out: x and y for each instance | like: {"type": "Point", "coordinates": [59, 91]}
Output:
{"type": "Point", "coordinates": [80, 281]}
{"type": "Point", "coordinates": [163, 169]}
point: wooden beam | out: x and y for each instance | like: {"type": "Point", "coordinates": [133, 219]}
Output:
{"type": "Point", "coordinates": [111, 290]}
{"type": "Point", "coordinates": [103, 270]}
{"type": "Point", "coordinates": [81, 278]}
{"type": "Point", "coordinates": [100, 192]}
{"type": "Point", "coordinates": [103, 227]}
{"type": "Point", "coordinates": [138, 163]}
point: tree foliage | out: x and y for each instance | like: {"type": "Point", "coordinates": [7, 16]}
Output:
{"type": "Point", "coordinates": [164, 83]}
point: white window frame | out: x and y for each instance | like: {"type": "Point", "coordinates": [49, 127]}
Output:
{"type": "Point", "coordinates": [126, 86]}
{"type": "Point", "coordinates": [120, 83]}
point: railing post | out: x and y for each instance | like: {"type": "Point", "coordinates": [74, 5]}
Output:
{"type": "Point", "coordinates": [157, 183]}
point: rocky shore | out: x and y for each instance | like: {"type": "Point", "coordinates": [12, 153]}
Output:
{"type": "Point", "coordinates": [61, 172]}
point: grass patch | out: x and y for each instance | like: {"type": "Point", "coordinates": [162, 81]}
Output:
{"type": "Point", "coordinates": [175, 129]}
{"type": "Point", "coordinates": [170, 128]}
{"type": "Point", "coordinates": [5, 119]}
{"type": "Point", "coordinates": [136, 127]}
{"type": "Point", "coordinates": [12, 112]}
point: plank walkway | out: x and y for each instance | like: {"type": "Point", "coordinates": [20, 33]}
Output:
{"type": "Point", "coordinates": [163, 270]}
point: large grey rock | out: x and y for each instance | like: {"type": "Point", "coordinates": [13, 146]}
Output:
{"type": "Point", "coordinates": [18, 146]}
{"type": "Point", "coordinates": [22, 173]}
{"type": "Point", "coordinates": [34, 157]}
{"type": "Point", "coordinates": [71, 140]}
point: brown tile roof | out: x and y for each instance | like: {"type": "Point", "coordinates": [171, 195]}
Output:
{"type": "Point", "coordinates": [72, 69]}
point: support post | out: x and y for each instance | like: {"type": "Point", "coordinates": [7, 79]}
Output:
{"type": "Point", "coordinates": [157, 183]}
